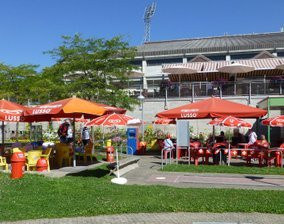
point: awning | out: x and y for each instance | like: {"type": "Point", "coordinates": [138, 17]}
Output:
{"type": "Point", "coordinates": [182, 68]}
{"type": "Point", "coordinates": [209, 70]}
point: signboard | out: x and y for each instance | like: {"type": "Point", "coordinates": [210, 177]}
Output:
{"type": "Point", "coordinates": [183, 133]}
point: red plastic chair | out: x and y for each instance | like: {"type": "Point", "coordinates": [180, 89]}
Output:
{"type": "Point", "coordinates": [258, 152]}
{"type": "Point", "coordinates": [276, 156]}
{"type": "Point", "coordinates": [217, 147]}
{"type": "Point", "coordinates": [279, 156]}
{"type": "Point", "coordinates": [196, 152]}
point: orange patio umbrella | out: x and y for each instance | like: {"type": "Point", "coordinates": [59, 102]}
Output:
{"type": "Point", "coordinates": [68, 108]}
{"type": "Point", "coordinates": [81, 120]}
{"type": "Point", "coordinates": [212, 108]}
{"type": "Point", "coordinates": [111, 109]}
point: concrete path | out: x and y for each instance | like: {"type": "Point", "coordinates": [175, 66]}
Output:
{"type": "Point", "coordinates": [167, 218]}
{"type": "Point", "coordinates": [148, 174]}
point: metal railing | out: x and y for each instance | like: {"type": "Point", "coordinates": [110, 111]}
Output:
{"type": "Point", "coordinates": [205, 89]}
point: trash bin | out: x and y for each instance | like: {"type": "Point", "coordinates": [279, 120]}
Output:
{"type": "Point", "coordinates": [18, 165]}
{"type": "Point", "coordinates": [109, 154]}
{"type": "Point", "coordinates": [41, 165]}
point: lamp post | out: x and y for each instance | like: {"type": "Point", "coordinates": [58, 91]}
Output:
{"type": "Point", "coordinates": [166, 99]}
{"type": "Point", "coordinates": [141, 98]}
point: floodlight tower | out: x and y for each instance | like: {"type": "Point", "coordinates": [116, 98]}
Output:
{"type": "Point", "coordinates": [149, 12]}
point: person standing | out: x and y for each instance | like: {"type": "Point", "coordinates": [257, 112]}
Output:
{"type": "Point", "coordinates": [62, 131]}
{"type": "Point", "coordinates": [252, 137]}
{"type": "Point", "coordinates": [69, 134]}
{"type": "Point", "coordinates": [85, 136]}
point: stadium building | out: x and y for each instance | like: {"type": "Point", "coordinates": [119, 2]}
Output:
{"type": "Point", "coordinates": [176, 72]}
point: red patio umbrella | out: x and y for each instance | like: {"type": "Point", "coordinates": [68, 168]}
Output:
{"type": "Point", "coordinates": [274, 121]}
{"type": "Point", "coordinates": [11, 112]}
{"type": "Point", "coordinates": [230, 121]}
{"type": "Point", "coordinates": [110, 119]}
{"type": "Point", "coordinates": [164, 121]}
{"type": "Point", "coordinates": [212, 108]}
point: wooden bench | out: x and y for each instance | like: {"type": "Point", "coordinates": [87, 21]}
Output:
{"type": "Point", "coordinates": [125, 165]}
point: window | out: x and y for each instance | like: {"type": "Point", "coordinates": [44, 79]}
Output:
{"type": "Point", "coordinates": [243, 56]}
{"type": "Point", "coordinates": [164, 61]}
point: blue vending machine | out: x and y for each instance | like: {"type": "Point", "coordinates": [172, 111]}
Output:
{"type": "Point", "coordinates": [132, 140]}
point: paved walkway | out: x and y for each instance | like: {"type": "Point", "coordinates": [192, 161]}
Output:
{"type": "Point", "coordinates": [148, 174]}
{"type": "Point", "coordinates": [167, 218]}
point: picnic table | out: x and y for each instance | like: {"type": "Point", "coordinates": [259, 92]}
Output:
{"type": "Point", "coordinates": [266, 153]}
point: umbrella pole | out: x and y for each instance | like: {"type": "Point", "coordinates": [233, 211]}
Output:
{"type": "Point", "coordinates": [229, 153]}
{"type": "Point", "coordinates": [93, 139]}
{"type": "Point", "coordinates": [3, 135]}
{"type": "Point", "coordinates": [103, 136]}
{"type": "Point", "coordinates": [214, 133]}
{"type": "Point", "coordinates": [17, 131]}
{"type": "Point", "coordinates": [73, 146]}
{"type": "Point", "coordinates": [118, 179]}
{"type": "Point", "coordinates": [30, 125]}
{"type": "Point", "coordinates": [117, 163]}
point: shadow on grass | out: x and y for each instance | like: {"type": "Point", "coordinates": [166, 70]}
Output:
{"type": "Point", "coordinates": [98, 173]}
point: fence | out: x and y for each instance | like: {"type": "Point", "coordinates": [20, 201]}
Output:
{"type": "Point", "coordinates": [158, 89]}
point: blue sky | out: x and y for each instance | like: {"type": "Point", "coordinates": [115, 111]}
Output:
{"type": "Point", "coordinates": [30, 27]}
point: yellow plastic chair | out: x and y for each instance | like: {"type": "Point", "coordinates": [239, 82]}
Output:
{"type": "Point", "coordinates": [16, 150]}
{"type": "Point", "coordinates": [88, 152]}
{"type": "Point", "coordinates": [62, 154]}
{"type": "Point", "coordinates": [32, 158]}
{"type": "Point", "coordinates": [46, 155]}
{"type": "Point", "coordinates": [3, 163]}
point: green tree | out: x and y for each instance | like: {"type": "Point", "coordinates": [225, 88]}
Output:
{"type": "Point", "coordinates": [17, 82]}
{"type": "Point", "coordinates": [90, 68]}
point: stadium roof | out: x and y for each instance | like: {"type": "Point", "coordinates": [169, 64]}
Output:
{"type": "Point", "coordinates": [213, 44]}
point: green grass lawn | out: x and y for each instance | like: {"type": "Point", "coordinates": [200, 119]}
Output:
{"type": "Point", "coordinates": [223, 169]}
{"type": "Point", "coordinates": [91, 193]}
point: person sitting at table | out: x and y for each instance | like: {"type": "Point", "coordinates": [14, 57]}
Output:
{"type": "Point", "coordinates": [262, 143]}
{"type": "Point", "coordinates": [210, 140]}
{"type": "Point", "coordinates": [237, 137]}
{"type": "Point", "coordinates": [252, 137]}
{"type": "Point", "coordinates": [168, 144]}
{"type": "Point", "coordinates": [221, 137]}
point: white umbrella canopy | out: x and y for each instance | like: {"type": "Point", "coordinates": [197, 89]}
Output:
{"type": "Point", "coordinates": [236, 68]}
{"type": "Point", "coordinates": [179, 69]}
